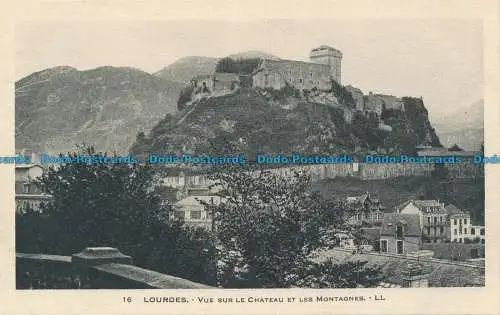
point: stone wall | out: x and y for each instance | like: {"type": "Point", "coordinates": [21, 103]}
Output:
{"type": "Point", "coordinates": [301, 75]}
{"type": "Point", "coordinates": [93, 268]}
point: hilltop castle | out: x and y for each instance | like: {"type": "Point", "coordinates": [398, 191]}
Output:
{"type": "Point", "coordinates": [325, 65]}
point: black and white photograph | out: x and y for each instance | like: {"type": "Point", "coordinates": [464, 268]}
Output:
{"type": "Point", "coordinates": [259, 154]}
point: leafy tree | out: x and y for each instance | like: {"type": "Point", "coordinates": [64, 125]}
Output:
{"type": "Point", "coordinates": [115, 205]}
{"type": "Point", "coordinates": [269, 227]}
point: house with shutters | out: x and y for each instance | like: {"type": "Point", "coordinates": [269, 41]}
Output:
{"type": "Point", "coordinates": [442, 223]}
{"type": "Point", "coordinates": [400, 233]}
{"type": "Point", "coordinates": [433, 218]}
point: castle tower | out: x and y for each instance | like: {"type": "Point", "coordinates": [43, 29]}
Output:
{"type": "Point", "coordinates": [330, 56]}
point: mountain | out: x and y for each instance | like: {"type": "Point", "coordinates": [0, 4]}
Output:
{"type": "Point", "coordinates": [186, 68]}
{"type": "Point", "coordinates": [253, 54]}
{"type": "Point", "coordinates": [252, 121]}
{"type": "Point", "coordinates": [60, 107]}
{"type": "Point", "coordinates": [464, 127]}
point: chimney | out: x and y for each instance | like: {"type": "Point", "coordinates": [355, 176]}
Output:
{"type": "Point", "coordinates": [415, 276]}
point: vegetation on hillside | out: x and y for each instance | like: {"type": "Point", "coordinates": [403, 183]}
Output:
{"type": "Point", "coordinates": [259, 126]}
{"type": "Point", "coordinates": [342, 94]}
{"type": "Point", "coordinates": [239, 66]}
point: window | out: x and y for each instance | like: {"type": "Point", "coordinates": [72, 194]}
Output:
{"type": "Point", "coordinates": [440, 219]}
{"type": "Point", "coordinates": [179, 214]}
{"type": "Point", "coordinates": [465, 231]}
{"type": "Point", "coordinates": [460, 230]}
{"type": "Point", "coordinates": [460, 240]}
{"type": "Point", "coordinates": [460, 221]}
{"type": "Point", "coordinates": [465, 221]}
{"type": "Point", "coordinates": [435, 220]}
{"type": "Point", "coordinates": [195, 215]}
{"type": "Point", "coordinates": [429, 220]}
{"type": "Point", "coordinates": [400, 248]}
{"type": "Point", "coordinates": [455, 232]}
{"type": "Point", "coordinates": [311, 74]}
{"type": "Point", "coordinates": [428, 230]}
{"type": "Point", "coordinates": [399, 231]}
{"type": "Point", "coordinates": [300, 80]}
{"type": "Point", "coordinates": [441, 230]}
{"type": "Point", "coordinates": [383, 246]}
{"type": "Point", "coordinates": [473, 231]}
{"type": "Point", "coordinates": [26, 188]}
{"type": "Point", "coordinates": [481, 232]}
{"type": "Point", "coordinates": [266, 79]}
{"type": "Point", "coordinates": [454, 221]}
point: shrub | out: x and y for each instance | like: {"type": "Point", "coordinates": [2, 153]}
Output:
{"type": "Point", "coordinates": [184, 97]}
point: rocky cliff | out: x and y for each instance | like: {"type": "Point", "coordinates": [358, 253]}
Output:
{"type": "Point", "coordinates": [251, 121]}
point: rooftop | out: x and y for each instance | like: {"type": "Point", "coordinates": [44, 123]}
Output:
{"type": "Point", "coordinates": [441, 273]}
{"type": "Point", "coordinates": [411, 223]}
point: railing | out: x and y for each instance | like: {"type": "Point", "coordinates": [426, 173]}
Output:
{"type": "Point", "coordinates": [93, 268]}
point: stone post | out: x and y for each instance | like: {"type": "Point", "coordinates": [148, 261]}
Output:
{"type": "Point", "coordinates": [83, 262]}
{"type": "Point", "coordinates": [415, 276]}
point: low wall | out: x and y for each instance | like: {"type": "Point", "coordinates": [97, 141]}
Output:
{"type": "Point", "coordinates": [92, 269]}
{"type": "Point", "coordinates": [456, 251]}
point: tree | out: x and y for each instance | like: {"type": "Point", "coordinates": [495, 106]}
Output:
{"type": "Point", "coordinates": [269, 227]}
{"type": "Point", "coordinates": [115, 205]}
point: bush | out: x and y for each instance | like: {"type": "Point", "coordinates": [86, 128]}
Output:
{"type": "Point", "coordinates": [184, 97]}
{"type": "Point", "coordinates": [240, 66]}
{"type": "Point", "coordinates": [342, 95]}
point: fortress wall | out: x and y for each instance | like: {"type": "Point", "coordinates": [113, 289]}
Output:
{"type": "Point", "coordinates": [361, 171]}
{"type": "Point", "coordinates": [465, 171]}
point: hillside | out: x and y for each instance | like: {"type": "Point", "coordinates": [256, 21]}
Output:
{"type": "Point", "coordinates": [186, 68]}
{"type": "Point", "coordinates": [464, 127]}
{"type": "Point", "coordinates": [253, 123]}
{"type": "Point", "coordinates": [62, 106]}
{"type": "Point", "coordinates": [465, 194]}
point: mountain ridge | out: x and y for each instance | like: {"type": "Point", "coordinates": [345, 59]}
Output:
{"type": "Point", "coordinates": [59, 107]}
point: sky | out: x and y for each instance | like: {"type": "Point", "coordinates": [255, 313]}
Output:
{"type": "Point", "coordinates": [440, 60]}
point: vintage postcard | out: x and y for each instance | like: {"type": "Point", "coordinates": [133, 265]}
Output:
{"type": "Point", "coordinates": [321, 157]}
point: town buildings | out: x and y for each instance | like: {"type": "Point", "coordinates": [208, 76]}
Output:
{"type": "Point", "coordinates": [440, 223]}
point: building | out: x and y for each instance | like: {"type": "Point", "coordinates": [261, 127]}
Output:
{"type": "Point", "coordinates": [324, 66]}
{"type": "Point", "coordinates": [366, 208]}
{"type": "Point", "coordinates": [216, 83]}
{"type": "Point", "coordinates": [192, 210]}
{"type": "Point", "coordinates": [400, 233]}
{"type": "Point", "coordinates": [461, 228]}
{"type": "Point", "coordinates": [432, 215]}
{"type": "Point", "coordinates": [442, 223]}
{"type": "Point", "coordinates": [28, 193]}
